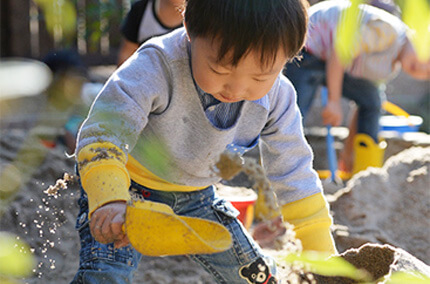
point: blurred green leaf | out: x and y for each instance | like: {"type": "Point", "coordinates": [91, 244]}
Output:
{"type": "Point", "coordinates": [346, 41]}
{"type": "Point", "coordinates": [320, 263]}
{"type": "Point", "coordinates": [60, 15]}
{"type": "Point", "coordinates": [416, 14]}
{"type": "Point", "coordinates": [156, 153]}
{"type": "Point", "coordinates": [16, 260]}
{"type": "Point", "coordinates": [408, 277]}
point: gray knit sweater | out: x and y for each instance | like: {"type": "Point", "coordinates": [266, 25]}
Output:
{"type": "Point", "coordinates": [150, 108]}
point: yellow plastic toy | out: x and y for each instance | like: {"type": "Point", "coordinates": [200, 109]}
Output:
{"type": "Point", "coordinates": [155, 230]}
{"type": "Point", "coordinates": [394, 109]}
{"type": "Point", "coordinates": [367, 153]}
{"type": "Point", "coordinates": [326, 174]}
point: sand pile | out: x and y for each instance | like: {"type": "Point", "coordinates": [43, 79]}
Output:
{"type": "Point", "coordinates": [388, 205]}
{"type": "Point", "coordinates": [381, 262]}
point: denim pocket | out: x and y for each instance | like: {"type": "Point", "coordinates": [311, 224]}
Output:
{"type": "Point", "coordinates": [224, 210]}
{"type": "Point", "coordinates": [92, 251]}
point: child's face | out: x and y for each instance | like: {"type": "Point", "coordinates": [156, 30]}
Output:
{"type": "Point", "coordinates": [246, 81]}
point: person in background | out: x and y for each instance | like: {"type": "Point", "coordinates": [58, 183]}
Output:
{"type": "Point", "coordinates": [384, 48]}
{"type": "Point", "coordinates": [146, 19]}
{"type": "Point", "coordinates": [346, 156]}
{"type": "Point", "coordinates": [212, 86]}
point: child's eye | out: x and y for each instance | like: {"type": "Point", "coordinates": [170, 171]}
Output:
{"type": "Point", "coordinates": [259, 80]}
{"type": "Point", "coordinates": [216, 72]}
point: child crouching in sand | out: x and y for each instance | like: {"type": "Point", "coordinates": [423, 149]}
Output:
{"type": "Point", "coordinates": [213, 85]}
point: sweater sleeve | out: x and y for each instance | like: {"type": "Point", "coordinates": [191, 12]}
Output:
{"type": "Point", "coordinates": [103, 174]}
{"type": "Point", "coordinates": [286, 155]}
{"type": "Point", "coordinates": [311, 219]}
{"type": "Point", "coordinates": [288, 160]}
{"type": "Point", "coordinates": [114, 123]}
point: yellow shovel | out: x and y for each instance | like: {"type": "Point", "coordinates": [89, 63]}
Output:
{"type": "Point", "coordinates": [155, 230]}
{"type": "Point", "coordinates": [394, 109]}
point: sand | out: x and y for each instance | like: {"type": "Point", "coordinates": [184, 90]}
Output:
{"type": "Point", "coordinates": [380, 206]}
{"type": "Point", "coordinates": [388, 205]}
{"type": "Point", "coordinates": [47, 224]}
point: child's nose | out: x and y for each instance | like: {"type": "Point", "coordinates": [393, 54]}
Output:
{"type": "Point", "coordinates": [235, 88]}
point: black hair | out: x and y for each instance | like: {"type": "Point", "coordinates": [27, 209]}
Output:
{"type": "Point", "coordinates": [245, 25]}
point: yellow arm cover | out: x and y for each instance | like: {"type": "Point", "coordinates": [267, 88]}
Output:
{"type": "Point", "coordinates": [104, 176]}
{"type": "Point", "coordinates": [311, 219]}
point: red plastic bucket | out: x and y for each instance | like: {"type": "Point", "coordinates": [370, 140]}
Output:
{"type": "Point", "coordinates": [243, 199]}
{"type": "Point", "coordinates": [246, 211]}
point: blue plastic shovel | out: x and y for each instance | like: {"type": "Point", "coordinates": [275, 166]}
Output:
{"type": "Point", "coordinates": [331, 151]}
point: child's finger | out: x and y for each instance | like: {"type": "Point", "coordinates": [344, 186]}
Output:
{"type": "Point", "coordinates": [102, 220]}
{"type": "Point", "coordinates": [111, 229]}
{"type": "Point", "coordinates": [106, 229]}
{"type": "Point", "coordinates": [331, 119]}
{"type": "Point", "coordinates": [122, 242]}
{"type": "Point", "coordinates": [116, 225]}
{"type": "Point", "coordinates": [96, 226]}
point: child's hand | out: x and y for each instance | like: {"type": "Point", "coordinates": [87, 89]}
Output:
{"type": "Point", "coordinates": [332, 114]}
{"type": "Point", "coordinates": [266, 233]}
{"type": "Point", "coordinates": [106, 224]}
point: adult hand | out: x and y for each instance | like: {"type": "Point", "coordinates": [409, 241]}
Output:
{"type": "Point", "coordinates": [106, 224]}
{"type": "Point", "coordinates": [332, 113]}
{"type": "Point", "coordinates": [266, 233]}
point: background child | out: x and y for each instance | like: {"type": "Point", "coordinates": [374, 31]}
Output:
{"type": "Point", "coordinates": [194, 93]}
{"type": "Point", "coordinates": [384, 46]}
{"type": "Point", "coordinates": [146, 19]}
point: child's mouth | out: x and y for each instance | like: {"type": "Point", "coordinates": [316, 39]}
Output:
{"type": "Point", "coordinates": [228, 99]}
